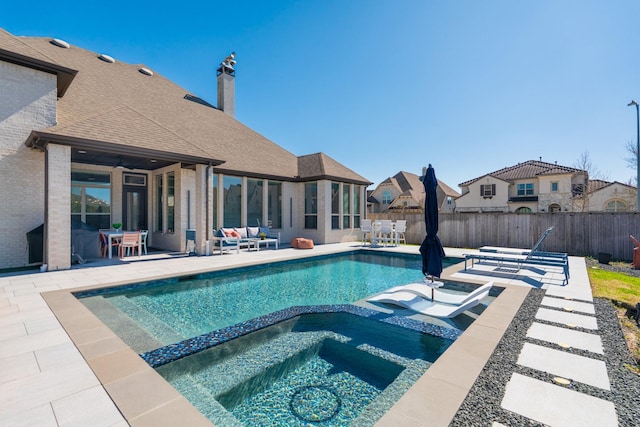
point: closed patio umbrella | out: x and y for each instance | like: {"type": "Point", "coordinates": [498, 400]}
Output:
{"type": "Point", "coordinates": [431, 248]}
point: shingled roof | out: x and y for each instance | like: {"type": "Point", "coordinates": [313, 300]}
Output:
{"type": "Point", "coordinates": [119, 106]}
{"type": "Point", "coordinates": [409, 184]}
{"type": "Point", "coordinates": [527, 170]}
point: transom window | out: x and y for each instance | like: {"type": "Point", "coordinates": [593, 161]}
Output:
{"type": "Point", "coordinates": [523, 210]}
{"type": "Point", "coordinates": [525, 189]}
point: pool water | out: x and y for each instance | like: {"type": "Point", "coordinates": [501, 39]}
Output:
{"type": "Point", "coordinates": [318, 369]}
{"type": "Point", "coordinates": [190, 307]}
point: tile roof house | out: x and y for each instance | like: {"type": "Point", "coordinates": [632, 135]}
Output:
{"type": "Point", "coordinates": [537, 186]}
{"type": "Point", "coordinates": [405, 191]}
{"type": "Point", "coordinates": [85, 137]}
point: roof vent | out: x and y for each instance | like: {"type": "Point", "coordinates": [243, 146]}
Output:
{"type": "Point", "coordinates": [60, 43]}
{"type": "Point", "coordinates": [146, 71]}
{"type": "Point", "coordinates": [106, 58]}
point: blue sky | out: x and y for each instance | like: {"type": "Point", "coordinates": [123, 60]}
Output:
{"type": "Point", "coordinates": [388, 86]}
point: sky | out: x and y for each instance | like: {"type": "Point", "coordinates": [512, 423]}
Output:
{"type": "Point", "coordinates": [384, 86]}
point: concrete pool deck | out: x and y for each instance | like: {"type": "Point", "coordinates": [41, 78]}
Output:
{"type": "Point", "coordinates": [60, 366]}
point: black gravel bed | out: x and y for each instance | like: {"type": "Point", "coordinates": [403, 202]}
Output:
{"type": "Point", "coordinates": [482, 407]}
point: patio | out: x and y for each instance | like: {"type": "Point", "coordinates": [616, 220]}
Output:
{"type": "Point", "coordinates": [45, 378]}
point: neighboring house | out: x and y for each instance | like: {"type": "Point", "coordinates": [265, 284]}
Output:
{"type": "Point", "coordinates": [85, 138]}
{"type": "Point", "coordinates": [537, 186]}
{"type": "Point", "coordinates": [604, 196]}
{"type": "Point", "coordinates": [405, 191]}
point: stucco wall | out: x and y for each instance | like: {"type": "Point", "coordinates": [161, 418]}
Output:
{"type": "Point", "coordinates": [28, 103]}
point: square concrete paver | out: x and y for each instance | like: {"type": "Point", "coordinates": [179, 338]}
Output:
{"type": "Point", "coordinates": [556, 406]}
{"type": "Point", "coordinates": [566, 365]}
{"type": "Point", "coordinates": [559, 335]}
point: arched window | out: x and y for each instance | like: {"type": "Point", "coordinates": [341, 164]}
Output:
{"type": "Point", "coordinates": [555, 208]}
{"type": "Point", "coordinates": [523, 210]}
{"type": "Point", "coordinates": [615, 206]}
{"type": "Point", "coordinates": [386, 197]}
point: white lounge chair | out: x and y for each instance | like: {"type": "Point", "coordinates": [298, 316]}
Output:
{"type": "Point", "coordinates": [425, 291]}
{"type": "Point", "coordinates": [425, 306]}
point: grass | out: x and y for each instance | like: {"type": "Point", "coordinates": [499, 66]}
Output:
{"type": "Point", "coordinates": [624, 291]}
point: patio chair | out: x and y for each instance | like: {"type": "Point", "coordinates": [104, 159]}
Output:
{"type": "Point", "coordinates": [425, 291]}
{"type": "Point", "coordinates": [386, 234]}
{"type": "Point", "coordinates": [129, 244]}
{"type": "Point", "coordinates": [143, 240]}
{"type": "Point", "coordinates": [366, 228]}
{"type": "Point", "coordinates": [104, 244]}
{"type": "Point", "coordinates": [424, 305]}
{"type": "Point", "coordinates": [399, 230]}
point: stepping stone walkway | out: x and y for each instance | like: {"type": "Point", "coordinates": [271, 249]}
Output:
{"type": "Point", "coordinates": [563, 309]}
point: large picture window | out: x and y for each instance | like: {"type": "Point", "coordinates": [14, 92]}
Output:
{"type": "Point", "coordinates": [356, 206]}
{"type": "Point", "coordinates": [232, 201]}
{"type": "Point", "coordinates": [311, 205]}
{"type": "Point", "coordinates": [335, 205]}
{"type": "Point", "coordinates": [346, 206]}
{"type": "Point", "coordinates": [171, 202]}
{"type": "Point", "coordinates": [275, 205]}
{"type": "Point", "coordinates": [159, 203]}
{"type": "Point", "coordinates": [525, 189]}
{"type": "Point", "coordinates": [91, 198]}
{"type": "Point", "coordinates": [254, 202]}
{"type": "Point", "coordinates": [215, 202]}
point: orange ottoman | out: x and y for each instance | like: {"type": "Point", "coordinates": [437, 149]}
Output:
{"type": "Point", "coordinates": [305, 244]}
{"type": "Point", "coordinates": [294, 242]}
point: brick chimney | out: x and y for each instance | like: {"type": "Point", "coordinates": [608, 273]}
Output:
{"type": "Point", "coordinates": [226, 85]}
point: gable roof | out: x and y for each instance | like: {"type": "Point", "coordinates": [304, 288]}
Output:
{"type": "Point", "coordinates": [598, 184]}
{"type": "Point", "coordinates": [116, 106]}
{"type": "Point", "coordinates": [527, 170]}
{"type": "Point", "coordinates": [410, 184]}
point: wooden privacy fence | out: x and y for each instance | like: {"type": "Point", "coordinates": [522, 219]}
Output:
{"type": "Point", "coordinates": [576, 233]}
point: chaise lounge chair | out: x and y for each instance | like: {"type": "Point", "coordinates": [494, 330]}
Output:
{"type": "Point", "coordinates": [522, 258]}
{"type": "Point", "coordinates": [424, 291]}
{"type": "Point", "coordinates": [535, 250]}
{"type": "Point", "coordinates": [426, 306]}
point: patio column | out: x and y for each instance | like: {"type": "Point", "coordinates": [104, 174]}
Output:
{"type": "Point", "coordinates": [204, 207]}
{"type": "Point", "coordinates": [57, 229]}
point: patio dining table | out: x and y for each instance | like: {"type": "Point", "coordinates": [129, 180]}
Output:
{"type": "Point", "coordinates": [112, 236]}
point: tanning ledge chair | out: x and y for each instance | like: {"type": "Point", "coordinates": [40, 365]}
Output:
{"type": "Point", "coordinates": [425, 291]}
{"type": "Point", "coordinates": [425, 306]}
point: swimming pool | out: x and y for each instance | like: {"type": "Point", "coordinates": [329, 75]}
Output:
{"type": "Point", "coordinates": [174, 310]}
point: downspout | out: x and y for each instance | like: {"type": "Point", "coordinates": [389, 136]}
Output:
{"type": "Point", "coordinates": [209, 177]}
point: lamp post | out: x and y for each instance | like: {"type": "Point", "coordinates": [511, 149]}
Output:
{"type": "Point", "coordinates": [633, 102]}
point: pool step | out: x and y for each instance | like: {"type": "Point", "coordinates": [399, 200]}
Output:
{"type": "Point", "coordinates": [121, 324]}
{"type": "Point", "coordinates": [205, 401]}
{"type": "Point", "coordinates": [146, 321]}
{"type": "Point", "coordinates": [181, 323]}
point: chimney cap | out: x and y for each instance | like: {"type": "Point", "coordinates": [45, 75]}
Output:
{"type": "Point", "coordinates": [227, 66]}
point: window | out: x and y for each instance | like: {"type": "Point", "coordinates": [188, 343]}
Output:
{"type": "Point", "coordinates": [554, 187]}
{"type": "Point", "coordinates": [159, 203]}
{"type": "Point", "coordinates": [356, 206]}
{"type": "Point", "coordinates": [346, 206]}
{"type": "Point", "coordinates": [274, 211]}
{"type": "Point", "coordinates": [335, 206]}
{"type": "Point", "coordinates": [311, 205]}
{"type": "Point", "coordinates": [523, 210]}
{"type": "Point", "coordinates": [525, 189]}
{"type": "Point", "coordinates": [254, 202]}
{"type": "Point", "coordinates": [232, 201]}
{"type": "Point", "coordinates": [171, 202]}
{"type": "Point", "coordinates": [488, 190]}
{"type": "Point", "coordinates": [616, 206]}
{"type": "Point", "coordinates": [386, 197]}
{"type": "Point", "coordinates": [449, 200]}
{"type": "Point", "coordinates": [91, 198]}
